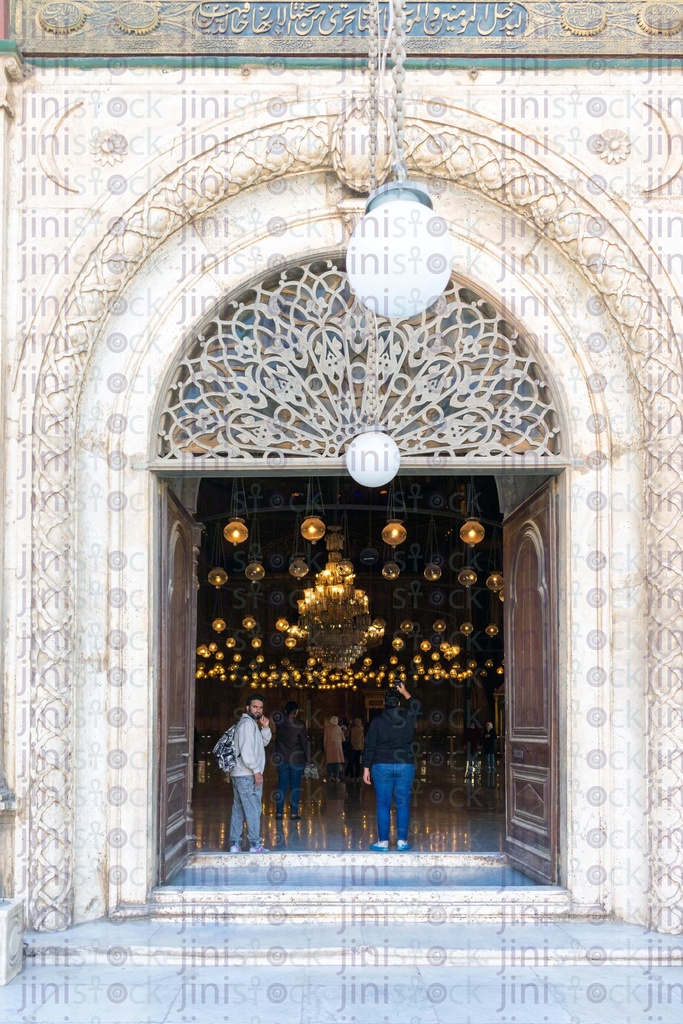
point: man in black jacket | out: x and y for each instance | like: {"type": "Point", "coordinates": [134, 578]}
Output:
{"type": "Point", "coordinates": [289, 756]}
{"type": "Point", "coordinates": [389, 759]}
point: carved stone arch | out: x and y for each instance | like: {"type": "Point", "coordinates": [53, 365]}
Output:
{"type": "Point", "coordinates": [457, 381]}
{"type": "Point", "coordinates": [524, 185]}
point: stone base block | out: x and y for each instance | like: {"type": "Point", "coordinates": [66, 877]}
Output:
{"type": "Point", "coordinates": [11, 939]}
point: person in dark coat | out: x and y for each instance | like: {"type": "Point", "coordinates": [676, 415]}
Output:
{"type": "Point", "coordinates": [472, 744]}
{"type": "Point", "coordinates": [489, 746]}
{"type": "Point", "coordinates": [290, 754]}
{"type": "Point", "coordinates": [389, 761]}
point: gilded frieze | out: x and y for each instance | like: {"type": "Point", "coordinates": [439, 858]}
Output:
{"type": "Point", "coordinates": [300, 28]}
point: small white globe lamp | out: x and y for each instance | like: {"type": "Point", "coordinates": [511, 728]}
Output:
{"type": "Point", "coordinates": [373, 459]}
{"type": "Point", "coordinates": [400, 254]}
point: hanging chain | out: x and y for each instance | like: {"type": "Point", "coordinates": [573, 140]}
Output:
{"type": "Point", "coordinates": [398, 57]}
{"type": "Point", "coordinates": [373, 83]}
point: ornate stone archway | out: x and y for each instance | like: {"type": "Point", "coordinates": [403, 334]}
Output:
{"type": "Point", "coordinates": [467, 156]}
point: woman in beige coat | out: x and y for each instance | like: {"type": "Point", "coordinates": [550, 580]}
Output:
{"type": "Point", "coordinates": [333, 739]}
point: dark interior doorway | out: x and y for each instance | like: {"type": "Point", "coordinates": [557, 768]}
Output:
{"type": "Point", "coordinates": [459, 676]}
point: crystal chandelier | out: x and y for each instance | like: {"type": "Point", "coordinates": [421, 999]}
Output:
{"type": "Point", "coordinates": [334, 616]}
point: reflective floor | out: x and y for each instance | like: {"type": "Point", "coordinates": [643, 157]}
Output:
{"type": "Point", "coordinates": [450, 814]}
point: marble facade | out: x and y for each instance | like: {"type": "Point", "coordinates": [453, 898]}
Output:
{"type": "Point", "coordinates": [137, 197]}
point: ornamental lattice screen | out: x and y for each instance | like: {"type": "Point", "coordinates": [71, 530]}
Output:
{"type": "Point", "coordinates": [295, 368]}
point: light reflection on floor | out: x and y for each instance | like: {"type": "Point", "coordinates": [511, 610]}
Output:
{"type": "Point", "coordinates": [449, 814]}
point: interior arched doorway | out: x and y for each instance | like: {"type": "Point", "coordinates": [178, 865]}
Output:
{"type": "Point", "coordinates": [277, 382]}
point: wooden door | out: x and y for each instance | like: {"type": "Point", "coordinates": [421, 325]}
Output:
{"type": "Point", "coordinates": [530, 538]}
{"type": "Point", "coordinates": [177, 633]}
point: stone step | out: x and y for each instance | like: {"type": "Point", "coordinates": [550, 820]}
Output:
{"type": "Point", "coordinates": [412, 903]}
{"type": "Point", "coordinates": [564, 942]}
{"type": "Point", "coordinates": [310, 887]}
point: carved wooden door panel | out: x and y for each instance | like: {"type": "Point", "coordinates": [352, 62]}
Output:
{"type": "Point", "coordinates": [530, 539]}
{"type": "Point", "coordinates": [178, 627]}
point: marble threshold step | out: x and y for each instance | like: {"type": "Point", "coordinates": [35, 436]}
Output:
{"type": "Point", "coordinates": [186, 947]}
{"type": "Point", "coordinates": [388, 887]}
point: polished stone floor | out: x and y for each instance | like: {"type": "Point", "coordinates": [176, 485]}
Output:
{"type": "Point", "coordinates": [450, 814]}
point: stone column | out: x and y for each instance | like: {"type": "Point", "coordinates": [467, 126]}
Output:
{"type": "Point", "coordinates": [11, 72]}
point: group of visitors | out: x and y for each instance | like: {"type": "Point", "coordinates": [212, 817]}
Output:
{"type": "Point", "coordinates": [343, 748]}
{"type": "Point", "coordinates": [387, 754]}
{"type": "Point", "coordinates": [475, 741]}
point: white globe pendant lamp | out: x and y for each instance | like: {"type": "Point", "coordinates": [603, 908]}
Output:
{"type": "Point", "coordinates": [373, 458]}
{"type": "Point", "coordinates": [400, 255]}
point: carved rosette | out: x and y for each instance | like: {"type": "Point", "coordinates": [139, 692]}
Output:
{"type": "Point", "coordinates": [62, 18]}
{"type": "Point", "coordinates": [660, 19]}
{"type": "Point", "coordinates": [584, 19]}
{"type": "Point", "coordinates": [443, 151]}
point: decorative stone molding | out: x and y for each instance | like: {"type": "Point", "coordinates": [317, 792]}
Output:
{"type": "Point", "coordinates": [565, 217]}
{"type": "Point", "coordinates": [11, 939]}
{"type": "Point", "coordinates": [13, 72]}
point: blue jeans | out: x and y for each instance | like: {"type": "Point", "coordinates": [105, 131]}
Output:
{"type": "Point", "coordinates": [392, 782]}
{"type": "Point", "coordinates": [289, 776]}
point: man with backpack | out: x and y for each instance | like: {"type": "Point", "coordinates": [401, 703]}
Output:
{"type": "Point", "coordinates": [250, 738]}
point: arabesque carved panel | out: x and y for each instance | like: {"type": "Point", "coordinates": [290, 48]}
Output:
{"type": "Point", "coordinates": [295, 367]}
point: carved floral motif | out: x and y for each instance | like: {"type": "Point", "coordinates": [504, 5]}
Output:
{"type": "Point", "coordinates": [109, 148]}
{"type": "Point", "coordinates": [288, 368]}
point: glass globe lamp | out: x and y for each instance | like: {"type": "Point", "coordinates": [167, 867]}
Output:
{"type": "Point", "coordinates": [345, 568]}
{"type": "Point", "coordinates": [397, 643]}
{"type": "Point", "coordinates": [372, 459]}
{"type": "Point", "coordinates": [298, 568]}
{"type": "Point", "coordinates": [217, 577]}
{"type": "Point", "coordinates": [425, 645]}
{"type": "Point", "coordinates": [467, 577]}
{"type": "Point", "coordinates": [213, 647]}
{"type": "Point", "coordinates": [394, 533]}
{"type": "Point", "coordinates": [282, 625]}
{"type": "Point", "coordinates": [495, 582]}
{"type": "Point", "coordinates": [230, 642]}
{"type": "Point", "coordinates": [472, 532]}
{"type": "Point", "coordinates": [236, 531]}
{"type": "Point", "coordinates": [254, 572]}
{"type": "Point", "coordinates": [290, 642]}
{"type": "Point", "coordinates": [467, 629]}
{"type": "Point", "coordinates": [218, 625]}
{"type": "Point", "coordinates": [406, 626]}
{"type": "Point", "coordinates": [256, 641]}
{"type": "Point", "coordinates": [439, 626]}
{"type": "Point", "coordinates": [400, 253]}
{"type": "Point", "coordinates": [312, 528]}
{"type": "Point", "coordinates": [369, 556]}
{"type": "Point", "coordinates": [492, 629]}
{"type": "Point", "coordinates": [219, 655]}
{"type": "Point", "coordinates": [432, 572]}
{"type": "Point", "coordinates": [391, 570]}
{"type": "Point", "coordinates": [501, 595]}
{"type": "Point", "coordinates": [248, 621]}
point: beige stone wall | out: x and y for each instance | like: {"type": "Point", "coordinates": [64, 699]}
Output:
{"type": "Point", "coordinates": [139, 197]}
